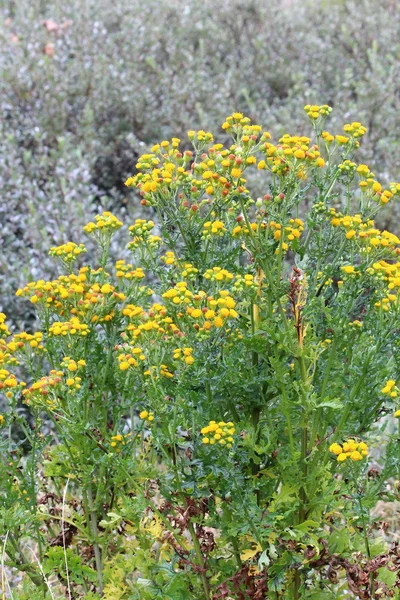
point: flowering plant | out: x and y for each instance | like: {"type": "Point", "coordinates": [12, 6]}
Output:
{"type": "Point", "coordinates": [210, 406]}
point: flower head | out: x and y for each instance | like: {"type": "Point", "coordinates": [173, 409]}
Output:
{"type": "Point", "coordinates": [220, 433]}
{"type": "Point", "coordinates": [351, 449]}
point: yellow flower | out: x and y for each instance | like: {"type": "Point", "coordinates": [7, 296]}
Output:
{"type": "Point", "coordinates": [352, 449]}
{"type": "Point", "coordinates": [389, 386]}
{"type": "Point", "coordinates": [335, 448]}
{"type": "Point", "coordinates": [146, 415]}
{"type": "Point", "coordinates": [341, 139]}
{"type": "Point", "coordinates": [355, 455]}
{"type": "Point", "coordinates": [348, 269]}
{"type": "Point", "coordinates": [218, 433]}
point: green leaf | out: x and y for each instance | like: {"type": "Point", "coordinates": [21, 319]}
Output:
{"type": "Point", "coordinates": [387, 576]}
{"type": "Point", "coordinates": [306, 526]}
{"type": "Point", "coordinates": [114, 520]}
{"type": "Point", "coordinates": [339, 541]}
{"type": "Point", "coordinates": [334, 403]}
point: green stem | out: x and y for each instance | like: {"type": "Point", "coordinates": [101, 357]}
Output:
{"type": "Point", "coordinates": [256, 411]}
{"type": "Point", "coordinates": [232, 539]}
{"type": "Point", "coordinates": [365, 532]}
{"type": "Point", "coordinates": [33, 488]}
{"type": "Point", "coordinates": [325, 382]}
{"type": "Point", "coordinates": [22, 564]}
{"type": "Point", "coordinates": [94, 531]}
{"type": "Point", "coordinates": [200, 560]}
{"type": "Point", "coordinates": [286, 412]}
{"type": "Point", "coordinates": [303, 464]}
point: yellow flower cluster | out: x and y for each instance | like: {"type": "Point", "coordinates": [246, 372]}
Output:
{"type": "Point", "coordinates": [243, 230]}
{"type": "Point", "coordinates": [368, 237]}
{"type": "Point", "coordinates": [78, 295]}
{"type": "Point", "coordinates": [211, 228]}
{"type": "Point", "coordinates": [131, 311]}
{"type": "Point", "coordinates": [342, 140]}
{"type": "Point", "coordinates": [163, 370]}
{"type": "Point", "coordinates": [131, 358]}
{"type": "Point", "coordinates": [355, 129]}
{"type": "Point", "coordinates": [292, 152]}
{"type": "Point", "coordinates": [72, 365]}
{"type": "Point", "coordinates": [219, 169]}
{"type": "Point", "coordinates": [373, 189]}
{"type": "Point", "coordinates": [127, 271]}
{"type": "Point", "coordinates": [218, 274]}
{"type": "Point", "coordinates": [179, 294]}
{"type": "Point", "coordinates": [72, 327]}
{"type": "Point", "coordinates": [348, 222]}
{"type": "Point", "coordinates": [68, 252]}
{"type": "Point", "coordinates": [314, 111]}
{"type": "Point", "coordinates": [288, 234]}
{"type": "Point", "coordinates": [214, 313]}
{"type": "Point", "coordinates": [155, 321]}
{"type": "Point", "coordinates": [349, 449]}
{"type": "Point", "coordinates": [40, 392]}
{"type": "Point", "coordinates": [117, 441]}
{"type": "Point", "coordinates": [327, 137]}
{"type": "Point", "coordinates": [390, 389]}
{"type": "Point", "coordinates": [236, 118]}
{"type": "Point", "coordinates": [4, 331]}
{"type": "Point", "coordinates": [202, 137]}
{"type": "Point", "coordinates": [219, 433]}
{"type": "Point", "coordinates": [157, 171]}
{"type": "Point", "coordinates": [214, 171]}
{"type": "Point", "coordinates": [349, 270]}
{"type": "Point", "coordinates": [23, 342]}
{"type": "Point", "coordinates": [295, 228]}
{"type": "Point", "coordinates": [54, 292]}
{"type": "Point", "coordinates": [245, 282]}
{"type": "Point", "coordinates": [105, 223]}
{"type": "Point", "coordinates": [356, 324]}
{"type": "Point", "coordinates": [141, 234]}
{"type": "Point", "coordinates": [185, 354]}
{"type": "Point", "coordinates": [8, 381]}
{"type": "Point", "coordinates": [168, 258]}
{"type": "Point", "coordinates": [6, 357]}
{"type": "Point", "coordinates": [145, 415]}
{"type": "Point", "coordinates": [347, 166]}
{"type": "Point", "coordinates": [74, 383]}
{"type": "Point", "coordinates": [189, 271]}
{"type": "Point", "coordinates": [389, 274]}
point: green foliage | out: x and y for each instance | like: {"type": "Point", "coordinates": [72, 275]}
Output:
{"type": "Point", "coordinates": [218, 417]}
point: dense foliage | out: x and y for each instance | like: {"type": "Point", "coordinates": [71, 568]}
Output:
{"type": "Point", "coordinates": [214, 402]}
{"type": "Point", "coordinates": [87, 85]}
